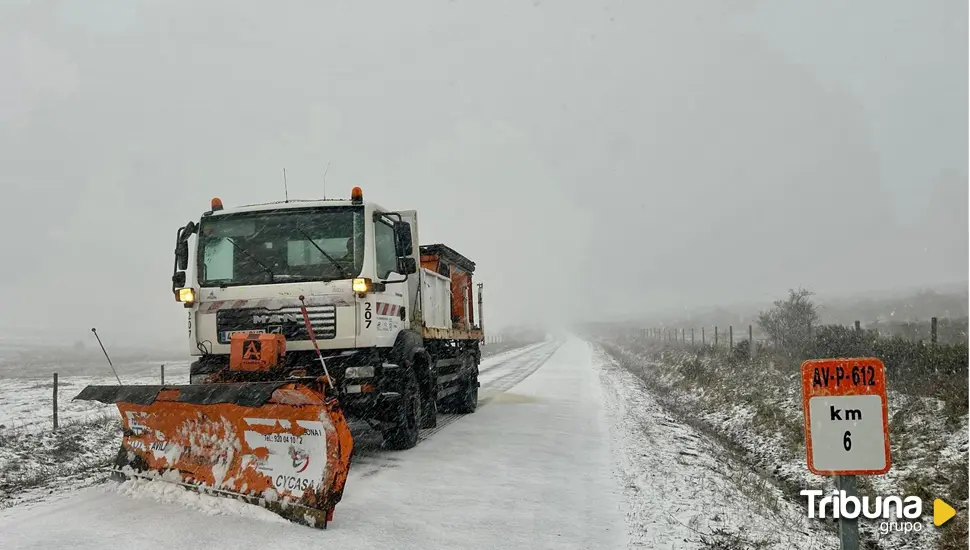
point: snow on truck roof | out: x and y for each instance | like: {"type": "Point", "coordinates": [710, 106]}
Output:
{"type": "Point", "coordinates": [449, 254]}
{"type": "Point", "coordinates": [287, 205]}
{"type": "Point", "coordinates": [356, 199]}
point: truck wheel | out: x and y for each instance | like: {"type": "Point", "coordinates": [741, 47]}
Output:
{"type": "Point", "coordinates": [404, 434]}
{"type": "Point", "coordinates": [466, 399]}
{"type": "Point", "coordinates": [201, 373]}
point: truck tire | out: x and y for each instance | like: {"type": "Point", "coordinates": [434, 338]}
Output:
{"type": "Point", "coordinates": [466, 398]}
{"type": "Point", "coordinates": [403, 434]}
{"type": "Point", "coordinates": [409, 349]}
{"type": "Point", "coordinates": [200, 371]}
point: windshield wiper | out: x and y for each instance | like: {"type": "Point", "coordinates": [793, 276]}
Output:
{"type": "Point", "coordinates": [325, 255]}
{"type": "Point", "coordinates": [251, 257]}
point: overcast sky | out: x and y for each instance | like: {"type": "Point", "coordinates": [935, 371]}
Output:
{"type": "Point", "coordinates": [594, 158]}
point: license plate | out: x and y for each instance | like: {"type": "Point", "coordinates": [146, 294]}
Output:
{"type": "Point", "coordinates": [227, 334]}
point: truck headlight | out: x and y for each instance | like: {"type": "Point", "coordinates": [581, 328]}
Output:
{"type": "Point", "coordinates": [361, 285]}
{"type": "Point", "coordinates": [187, 296]}
{"type": "Point", "coordinates": [359, 372]}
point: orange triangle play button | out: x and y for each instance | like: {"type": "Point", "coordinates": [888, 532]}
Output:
{"type": "Point", "coordinates": [942, 512]}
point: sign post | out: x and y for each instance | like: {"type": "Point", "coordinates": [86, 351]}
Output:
{"type": "Point", "coordinates": [846, 425]}
{"type": "Point", "coordinates": [848, 527]}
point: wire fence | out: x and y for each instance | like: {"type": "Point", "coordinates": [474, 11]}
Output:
{"type": "Point", "coordinates": [934, 331]}
{"type": "Point", "coordinates": [921, 365]}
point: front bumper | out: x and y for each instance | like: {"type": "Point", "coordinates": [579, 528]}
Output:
{"type": "Point", "coordinates": [366, 387]}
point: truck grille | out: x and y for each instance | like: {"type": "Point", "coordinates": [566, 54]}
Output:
{"type": "Point", "coordinates": [286, 321]}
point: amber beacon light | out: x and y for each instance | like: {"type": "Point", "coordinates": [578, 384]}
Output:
{"type": "Point", "coordinates": [356, 195]}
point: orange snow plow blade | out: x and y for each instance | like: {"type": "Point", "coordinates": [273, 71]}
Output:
{"type": "Point", "coordinates": [282, 445]}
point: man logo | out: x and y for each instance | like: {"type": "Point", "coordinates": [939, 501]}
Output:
{"type": "Point", "coordinates": [277, 318]}
{"type": "Point", "coordinates": [252, 350]}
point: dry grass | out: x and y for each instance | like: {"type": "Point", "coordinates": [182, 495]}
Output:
{"type": "Point", "coordinates": [761, 422]}
{"type": "Point", "coordinates": [757, 482]}
{"type": "Point", "coordinates": [35, 459]}
{"type": "Point", "coordinates": [724, 539]}
{"type": "Point", "coordinates": [954, 534]}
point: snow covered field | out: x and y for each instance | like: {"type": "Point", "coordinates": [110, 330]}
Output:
{"type": "Point", "coordinates": [566, 451]}
{"type": "Point", "coordinates": [26, 395]}
{"type": "Point", "coordinates": [27, 403]}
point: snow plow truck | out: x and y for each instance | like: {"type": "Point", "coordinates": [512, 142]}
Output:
{"type": "Point", "coordinates": [302, 315]}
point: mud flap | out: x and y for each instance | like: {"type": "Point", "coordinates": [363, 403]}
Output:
{"type": "Point", "coordinates": [282, 445]}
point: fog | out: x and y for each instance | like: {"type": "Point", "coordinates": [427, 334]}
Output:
{"type": "Point", "coordinates": [594, 158]}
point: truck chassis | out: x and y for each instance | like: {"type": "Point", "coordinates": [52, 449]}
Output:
{"type": "Point", "coordinates": [398, 390]}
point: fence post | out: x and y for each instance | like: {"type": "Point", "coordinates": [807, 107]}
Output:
{"type": "Point", "coordinates": [55, 401]}
{"type": "Point", "coordinates": [683, 336]}
{"type": "Point", "coordinates": [692, 336]}
{"type": "Point", "coordinates": [715, 336]}
{"type": "Point", "coordinates": [933, 331]}
{"type": "Point", "coordinates": [751, 346]}
{"type": "Point", "coordinates": [731, 337]}
{"type": "Point", "coordinates": [858, 326]}
{"type": "Point", "coordinates": [163, 375]}
{"type": "Point", "coordinates": [703, 340]}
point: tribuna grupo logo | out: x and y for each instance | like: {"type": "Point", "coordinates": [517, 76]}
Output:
{"type": "Point", "coordinates": [896, 513]}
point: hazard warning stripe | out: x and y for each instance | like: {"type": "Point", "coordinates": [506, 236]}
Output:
{"type": "Point", "coordinates": [383, 308]}
{"type": "Point", "coordinates": [273, 303]}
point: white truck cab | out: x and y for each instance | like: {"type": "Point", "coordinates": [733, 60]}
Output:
{"type": "Point", "coordinates": [378, 317]}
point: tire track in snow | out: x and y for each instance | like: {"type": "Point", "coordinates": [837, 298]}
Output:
{"type": "Point", "coordinates": [502, 359]}
{"type": "Point", "coordinates": [369, 456]}
{"type": "Point", "coordinates": [517, 374]}
{"type": "Point", "coordinates": [524, 365]}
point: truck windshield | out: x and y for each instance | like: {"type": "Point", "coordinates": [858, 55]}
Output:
{"type": "Point", "coordinates": [281, 246]}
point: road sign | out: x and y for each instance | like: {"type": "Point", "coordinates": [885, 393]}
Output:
{"type": "Point", "coordinates": [846, 417]}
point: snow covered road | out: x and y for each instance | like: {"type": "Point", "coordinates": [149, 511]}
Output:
{"type": "Point", "coordinates": [531, 469]}
{"type": "Point", "coordinates": [566, 450]}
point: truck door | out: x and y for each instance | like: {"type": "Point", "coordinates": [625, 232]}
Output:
{"type": "Point", "coordinates": [388, 308]}
{"type": "Point", "coordinates": [414, 280]}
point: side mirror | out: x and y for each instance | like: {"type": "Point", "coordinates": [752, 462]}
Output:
{"type": "Point", "coordinates": [406, 265]}
{"type": "Point", "coordinates": [182, 255]}
{"type": "Point", "coordinates": [189, 230]}
{"type": "Point", "coordinates": [402, 239]}
{"type": "Point", "coordinates": [178, 280]}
